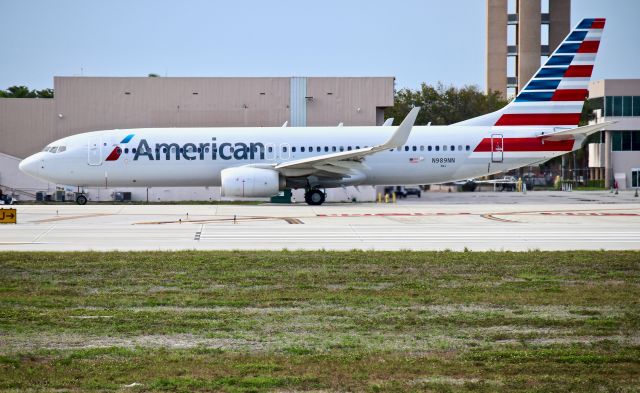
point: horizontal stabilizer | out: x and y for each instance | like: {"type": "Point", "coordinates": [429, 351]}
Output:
{"type": "Point", "coordinates": [574, 132]}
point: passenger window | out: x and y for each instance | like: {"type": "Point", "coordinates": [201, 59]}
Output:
{"type": "Point", "coordinates": [437, 147]}
{"type": "Point", "coordinates": [453, 148]}
{"type": "Point", "coordinates": [357, 147]}
{"type": "Point", "coordinates": [302, 149]}
{"type": "Point", "coordinates": [270, 149]}
{"type": "Point", "coordinates": [421, 147]}
{"type": "Point", "coordinates": [444, 147]}
{"type": "Point", "coordinates": [414, 148]}
{"type": "Point", "coordinates": [429, 147]}
{"type": "Point", "coordinates": [341, 148]}
{"type": "Point", "coordinates": [459, 147]}
{"type": "Point", "coordinates": [406, 148]}
{"type": "Point", "coordinates": [318, 149]}
{"type": "Point", "coordinates": [134, 150]}
{"type": "Point", "coordinates": [468, 147]}
{"type": "Point", "coordinates": [326, 148]}
{"type": "Point", "coordinates": [348, 147]}
{"type": "Point", "coordinates": [284, 149]}
{"type": "Point", "coordinates": [333, 148]}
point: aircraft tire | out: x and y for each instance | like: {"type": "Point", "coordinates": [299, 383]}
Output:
{"type": "Point", "coordinates": [314, 197]}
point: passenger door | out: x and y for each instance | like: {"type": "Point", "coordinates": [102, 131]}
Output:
{"type": "Point", "coordinates": [497, 148]}
{"type": "Point", "coordinates": [94, 149]}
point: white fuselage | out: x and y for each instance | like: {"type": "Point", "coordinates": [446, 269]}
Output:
{"type": "Point", "coordinates": [198, 155]}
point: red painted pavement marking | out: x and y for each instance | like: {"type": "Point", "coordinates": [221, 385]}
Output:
{"type": "Point", "coordinates": [389, 214]}
{"type": "Point", "coordinates": [590, 214]}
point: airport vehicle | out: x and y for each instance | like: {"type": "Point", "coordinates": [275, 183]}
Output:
{"type": "Point", "coordinates": [412, 191]}
{"type": "Point", "coordinates": [402, 191]}
{"type": "Point", "coordinates": [541, 123]}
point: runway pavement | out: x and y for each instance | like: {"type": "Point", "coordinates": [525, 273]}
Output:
{"type": "Point", "coordinates": [438, 221]}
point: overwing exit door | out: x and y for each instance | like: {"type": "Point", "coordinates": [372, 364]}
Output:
{"type": "Point", "coordinates": [497, 148]}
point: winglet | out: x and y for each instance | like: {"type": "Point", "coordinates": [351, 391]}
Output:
{"type": "Point", "coordinates": [388, 122]}
{"type": "Point", "coordinates": [401, 135]}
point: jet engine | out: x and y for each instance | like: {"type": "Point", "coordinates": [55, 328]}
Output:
{"type": "Point", "coordinates": [251, 182]}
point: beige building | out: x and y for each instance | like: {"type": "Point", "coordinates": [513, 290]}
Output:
{"type": "Point", "coordinates": [526, 44]}
{"type": "Point", "coordinates": [615, 157]}
{"type": "Point", "coordinates": [83, 104]}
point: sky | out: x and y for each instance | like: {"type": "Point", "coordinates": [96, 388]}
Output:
{"type": "Point", "coordinates": [414, 40]}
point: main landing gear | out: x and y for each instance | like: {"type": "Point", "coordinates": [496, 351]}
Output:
{"type": "Point", "coordinates": [314, 197]}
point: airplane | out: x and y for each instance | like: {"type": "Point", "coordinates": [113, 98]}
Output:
{"type": "Point", "coordinates": [539, 124]}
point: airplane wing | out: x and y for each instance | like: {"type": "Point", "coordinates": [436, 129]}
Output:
{"type": "Point", "coordinates": [572, 133]}
{"type": "Point", "coordinates": [342, 163]}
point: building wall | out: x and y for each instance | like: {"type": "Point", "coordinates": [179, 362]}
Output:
{"type": "Point", "coordinates": [26, 125]}
{"type": "Point", "coordinates": [352, 101]}
{"type": "Point", "coordinates": [529, 28]}
{"type": "Point", "coordinates": [620, 162]}
{"type": "Point", "coordinates": [559, 19]}
{"type": "Point", "coordinates": [89, 104]}
{"type": "Point", "coordinates": [497, 46]}
{"type": "Point", "coordinates": [527, 46]}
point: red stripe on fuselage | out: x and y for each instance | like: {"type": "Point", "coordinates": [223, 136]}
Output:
{"type": "Point", "coordinates": [115, 154]}
{"type": "Point", "coordinates": [569, 95]}
{"type": "Point", "coordinates": [589, 47]}
{"type": "Point", "coordinates": [539, 119]}
{"type": "Point", "coordinates": [578, 71]}
{"type": "Point", "coordinates": [524, 145]}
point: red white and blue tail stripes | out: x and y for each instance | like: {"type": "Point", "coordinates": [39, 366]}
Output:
{"type": "Point", "coordinates": [554, 97]}
{"type": "Point", "coordinates": [556, 93]}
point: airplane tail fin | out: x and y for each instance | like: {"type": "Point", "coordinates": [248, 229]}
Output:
{"type": "Point", "coordinates": [554, 97]}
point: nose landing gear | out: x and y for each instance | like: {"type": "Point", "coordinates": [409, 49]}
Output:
{"type": "Point", "coordinates": [314, 197]}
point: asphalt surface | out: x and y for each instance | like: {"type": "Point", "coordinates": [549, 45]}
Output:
{"type": "Point", "coordinates": [477, 221]}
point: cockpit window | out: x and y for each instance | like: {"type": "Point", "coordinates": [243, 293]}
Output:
{"type": "Point", "coordinates": [55, 149]}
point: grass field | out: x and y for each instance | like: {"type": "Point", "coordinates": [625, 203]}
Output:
{"type": "Point", "coordinates": [320, 321]}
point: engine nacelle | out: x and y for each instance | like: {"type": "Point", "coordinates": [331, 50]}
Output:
{"type": "Point", "coordinates": [250, 182]}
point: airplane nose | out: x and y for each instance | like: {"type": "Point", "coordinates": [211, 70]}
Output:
{"type": "Point", "coordinates": [30, 165]}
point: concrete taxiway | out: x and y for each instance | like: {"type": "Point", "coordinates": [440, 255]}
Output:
{"type": "Point", "coordinates": [437, 221]}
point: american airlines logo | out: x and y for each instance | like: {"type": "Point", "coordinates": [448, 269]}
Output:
{"type": "Point", "coordinates": [200, 151]}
